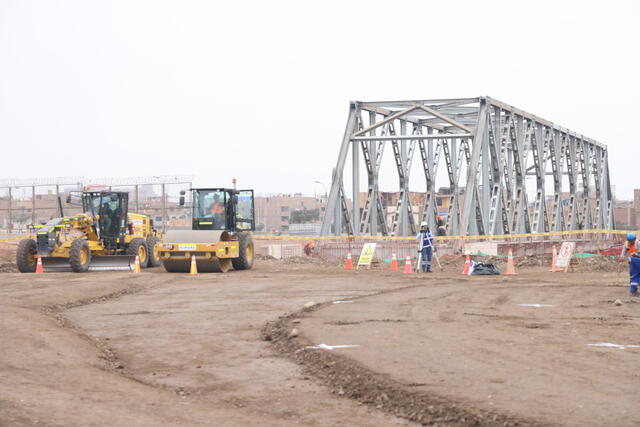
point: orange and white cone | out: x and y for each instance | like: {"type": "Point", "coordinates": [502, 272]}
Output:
{"type": "Point", "coordinates": [407, 266]}
{"type": "Point", "coordinates": [511, 268]}
{"type": "Point", "coordinates": [349, 264]}
{"type": "Point", "coordinates": [394, 262]}
{"type": "Point", "coordinates": [136, 267]}
{"type": "Point", "coordinates": [39, 268]}
{"type": "Point", "coordinates": [467, 265]}
{"type": "Point", "coordinates": [194, 266]}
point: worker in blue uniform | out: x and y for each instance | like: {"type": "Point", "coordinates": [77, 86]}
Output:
{"type": "Point", "coordinates": [425, 240]}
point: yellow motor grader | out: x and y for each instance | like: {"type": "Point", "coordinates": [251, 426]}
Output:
{"type": "Point", "coordinates": [220, 235]}
{"type": "Point", "coordinates": [105, 236]}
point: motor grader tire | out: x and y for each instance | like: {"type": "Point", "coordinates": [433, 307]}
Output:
{"type": "Point", "coordinates": [246, 251]}
{"type": "Point", "coordinates": [152, 246]}
{"type": "Point", "coordinates": [27, 256]}
{"type": "Point", "coordinates": [138, 246]}
{"type": "Point", "coordinates": [79, 256]}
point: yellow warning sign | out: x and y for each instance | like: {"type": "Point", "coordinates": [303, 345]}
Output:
{"type": "Point", "coordinates": [366, 256]}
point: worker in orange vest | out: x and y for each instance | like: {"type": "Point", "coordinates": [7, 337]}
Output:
{"type": "Point", "coordinates": [217, 210]}
{"type": "Point", "coordinates": [630, 250]}
{"type": "Point", "coordinates": [629, 247]}
{"type": "Point", "coordinates": [308, 248]}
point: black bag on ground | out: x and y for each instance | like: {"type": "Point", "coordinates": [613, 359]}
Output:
{"type": "Point", "coordinates": [482, 269]}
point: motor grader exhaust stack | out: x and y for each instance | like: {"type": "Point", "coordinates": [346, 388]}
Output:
{"type": "Point", "coordinates": [220, 237]}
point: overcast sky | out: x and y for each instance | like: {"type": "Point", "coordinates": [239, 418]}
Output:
{"type": "Point", "coordinates": [260, 90]}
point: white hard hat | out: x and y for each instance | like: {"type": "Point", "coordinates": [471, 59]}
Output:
{"type": "Point", "coordinates": [423, 224]}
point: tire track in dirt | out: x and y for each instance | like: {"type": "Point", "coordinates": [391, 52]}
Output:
{"type": "Point", "coordinates": [113, 362]}
{"type": "Point", "coordinates": [346, 377]}
{"type": "Point", "coordinates": [54, 298]}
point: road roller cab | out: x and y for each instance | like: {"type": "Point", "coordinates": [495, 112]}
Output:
{"type": "Point", "coordinates": [222, 219]}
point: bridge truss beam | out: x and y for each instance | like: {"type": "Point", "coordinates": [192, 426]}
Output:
{"type": "Point", "coordinates": [488, 148]}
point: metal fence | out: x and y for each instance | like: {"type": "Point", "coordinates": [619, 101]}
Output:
{"type": "Point", "coordinates": [24, 202]}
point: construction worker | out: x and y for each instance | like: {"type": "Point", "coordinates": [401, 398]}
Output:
{"type": "Point", "coordinates": [217, 210]}
{"type": "Point", "coordinates": [425, 239]}
{"type": "Point", "coordinates": [441, 230]}
{"type": "Point", "coordinates": [630, 249]}
{"type": "Point", "coordinates": [308, 248]}
{"type": "Point", "coordinates": [106, 214]}
{"type": "Point", "coordinates": [634, 273]}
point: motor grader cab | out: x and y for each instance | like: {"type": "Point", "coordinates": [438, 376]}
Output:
{"type": "Point", "coordinates": [220, 235]}
{"type": "Point", "coordinates": [110, 209]}
{"type": "Point", "coordinates": [105, 236]}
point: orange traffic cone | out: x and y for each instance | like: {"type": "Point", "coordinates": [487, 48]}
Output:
{"type": "Point", "coordinates": [467, 265]}
{"type": "Point", "coordinates": [136, 267]}
{"type": "Point", "coordinates": [194, 266]}
{"type": "Point", "coordinates": [349, 264]}
{"type": "Point", "coordinates": [511, 268]}
{"type": "Point", "coordinates": [39, 268]}
{"type": "Point", "coordinates": [554, 259]}
{"type": "Point", "coordinates": [407, 266]}
{"type": "Point", "coordinates": [394, 262]}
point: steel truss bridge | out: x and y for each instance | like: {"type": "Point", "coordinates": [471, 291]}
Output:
{"type": "Point", "coordinates": [488, 148]}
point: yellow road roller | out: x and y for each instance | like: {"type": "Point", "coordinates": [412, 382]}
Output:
{"type": "Point", "coordinates": [220, 235]}
{"type": "Point", "coordinates": [105, 236]}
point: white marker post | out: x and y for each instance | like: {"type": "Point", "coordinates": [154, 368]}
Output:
{"type": "Point", "coordinates": [564, 256]}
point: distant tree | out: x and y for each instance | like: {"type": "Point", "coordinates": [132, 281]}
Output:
{"type": "Point", "coordinates": [304, 216]}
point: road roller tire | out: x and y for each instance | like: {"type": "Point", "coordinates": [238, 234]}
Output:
{"type": "Point", "coordinates": [152, 246]}
{"type": "Point", "coordinates": [172, 266]}
{"type": "Point", "coordinates": [246, 252]}
{"type": "Point", "coordinates": [215, 265]}
{"type": "Point", "coordinates": [138, 246]}
{"type": "Point", "coordinates": [79, 256]}
{"type": "Point", "coordinates": [219, 265]}
{"type": "Point", "coordinates": [27, 256]}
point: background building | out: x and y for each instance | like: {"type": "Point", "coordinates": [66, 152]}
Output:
{"type": "Point", "coordinates": [279, 213]}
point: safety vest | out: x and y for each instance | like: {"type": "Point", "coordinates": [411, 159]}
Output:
{"type": "Point", "coordinates": [217, 208]}
{"type": "Point", "coordinates": [631, 248]}
{"type": "Point", "coordinates": [426, 237]}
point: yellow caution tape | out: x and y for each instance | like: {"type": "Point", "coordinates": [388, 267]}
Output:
{"type": "Point", "coordinates": [477, 237]}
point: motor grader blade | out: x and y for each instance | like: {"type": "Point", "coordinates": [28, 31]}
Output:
{"type": "Point", "coordinates": [98, 263]}
{"type": "Point", "coordinates": [112, 262]}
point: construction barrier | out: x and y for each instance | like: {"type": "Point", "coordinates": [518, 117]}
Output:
{"type": "Point", "coordinates": [521, 244]}
{"type": "Point", "coordinates": [279, 251]}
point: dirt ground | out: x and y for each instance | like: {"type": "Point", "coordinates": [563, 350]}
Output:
{"type": "Point", "coordinates": [519, 345]}
{"type": "Point", "coordinates": [110, 348]}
